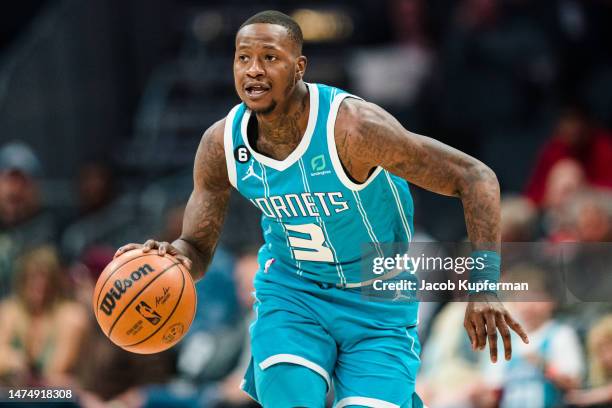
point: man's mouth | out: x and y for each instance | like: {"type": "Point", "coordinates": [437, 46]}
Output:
{"type": "Point", "coordinates": [256, 90]}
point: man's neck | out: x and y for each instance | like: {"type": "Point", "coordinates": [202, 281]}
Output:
{"type": "Point", "coordinates": [286, 124]}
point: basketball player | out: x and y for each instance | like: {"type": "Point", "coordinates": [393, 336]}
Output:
{"type": "Point", "coordinates": [328, 171]}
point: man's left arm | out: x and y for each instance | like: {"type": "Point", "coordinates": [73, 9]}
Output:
{"type": "Point", "coordinates": [371, 137]}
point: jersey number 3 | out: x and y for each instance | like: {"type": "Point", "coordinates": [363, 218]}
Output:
{"type": "Point", "coordinates": [312, 248]}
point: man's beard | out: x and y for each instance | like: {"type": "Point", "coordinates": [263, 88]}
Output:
{"type": "Point", "coordinates": [266, 110]}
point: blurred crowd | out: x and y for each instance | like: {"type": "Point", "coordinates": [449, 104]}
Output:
{"type": "Point", "coordinates": [49, 336]}
{"type": "Point", "coordinates": [480, 75]}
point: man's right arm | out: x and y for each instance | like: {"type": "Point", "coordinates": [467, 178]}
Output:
{"type": "Point", "coordinates": [205, 210]}
{"type": "Point", "coordinates": [207, 205]}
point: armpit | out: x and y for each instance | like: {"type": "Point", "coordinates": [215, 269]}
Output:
{"type": "Point", "coordinates": [352, 151]}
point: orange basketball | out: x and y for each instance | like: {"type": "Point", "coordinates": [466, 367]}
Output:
{"type": "Point", "coordinates": [144, 302]}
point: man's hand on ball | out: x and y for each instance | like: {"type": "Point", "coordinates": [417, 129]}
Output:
{"type": "Point", "coordinates": [162, 247]}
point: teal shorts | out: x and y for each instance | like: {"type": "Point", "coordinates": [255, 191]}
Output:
{"type": "Point", "coordinates": [368, 351]}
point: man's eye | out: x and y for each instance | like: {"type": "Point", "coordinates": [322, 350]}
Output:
{"type": "Point", "coordinates": [271, 58]}
{"type": "Point", "coordinates": [243, 58]}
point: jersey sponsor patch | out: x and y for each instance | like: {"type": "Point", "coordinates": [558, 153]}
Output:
{"type": "Point", "coordinates": [318, 166]}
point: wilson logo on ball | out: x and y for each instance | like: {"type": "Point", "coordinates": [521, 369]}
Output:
{"type": "Point", "coordinates": [120, 287]}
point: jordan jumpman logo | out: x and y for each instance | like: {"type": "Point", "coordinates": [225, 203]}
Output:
{"type": "Point", "coordinates": [251, 172]}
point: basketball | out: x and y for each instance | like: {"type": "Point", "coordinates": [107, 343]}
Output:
{"type": "Point", "coordinates": [143, 302]}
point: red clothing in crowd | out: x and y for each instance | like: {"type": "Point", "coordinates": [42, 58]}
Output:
{"type": "Point", "coordinates": [595, 156]}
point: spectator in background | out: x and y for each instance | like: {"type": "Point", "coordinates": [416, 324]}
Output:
{"type": "Point", "coordinates": [41, 331]}
{"type": "Point", "coordinates": [517, 219]}
{"type": "Point", "coordinates": [518, 230]}
{"type": "Point", "coordinates": [586, 255]}
{"type": "Point", "coordinates": [230, 394]}
{"type": "Point", "coordinates": [590, 214]}
{"type": "Point", "coordinates": [96, 186]}
{"type": "Point", "coordinates": [565, 179]}
{"type": "Point", "coordinates": [576, 138]}
{"type": "Point", "coordinates": [396, 74]}
{"type": "Point", "coordinates": [23, 221]}
{"type": "Point", "coordinates": [600, 352]}
{"type": "Point", "coordinates": [551, 364]}
{"type": "Point", "coordinates": [599, 391]}
{"type": "Point", "coordinates": [19, 194]}
{"type": "Point", "coordinates": [84, 273]}
{"type": "Point", "coordinates": [219, 358]}
{"type": "Point", "coordinates": [450, 376]}
{"type": "Point", "coordinates": [584, 216]}
{"type": "Point", "coordinates": [101, 215]}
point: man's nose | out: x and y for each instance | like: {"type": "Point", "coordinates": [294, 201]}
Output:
{"type": "Point", "coordinates": [255, 68]}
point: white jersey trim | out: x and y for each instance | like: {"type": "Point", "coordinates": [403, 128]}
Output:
{"type": "Point", "coordinates": [296, 154]}
{"type": "Point", "coordinates": [400, 207]}
{"type": "Point", "coordinates": [365, 402]}
{"type": "Point", "coordinates": [243, 388]}
{"type": "Point", "coordinates": [333, 151]}
{"type": "Point", "coordinates": [412, 345]}
{"type": "Point", "coordinates": [295, 359]}
{"type": "Point", "coordinates": [228, 144]}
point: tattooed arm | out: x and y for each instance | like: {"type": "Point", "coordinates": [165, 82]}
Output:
{"type": "Point", "coordinates": [205, 210]}
{"type": "Point", "coordinates": [367, 137]}
{"type": "Point", "coordinates": [207, 205]}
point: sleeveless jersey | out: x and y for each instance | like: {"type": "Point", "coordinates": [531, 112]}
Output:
{"type": "Point", "coordinates": [315, 219]}
{"type": "Point", "coordinates": [526, 384]}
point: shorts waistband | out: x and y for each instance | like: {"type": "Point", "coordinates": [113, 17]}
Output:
{"type": "Point", "coordinates": [349, 285]}
{"type": "Point", "coordinates": [353, 285]}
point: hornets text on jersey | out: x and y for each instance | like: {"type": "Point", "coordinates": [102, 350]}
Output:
{"type": "Point", "coordinates": [315, 219]}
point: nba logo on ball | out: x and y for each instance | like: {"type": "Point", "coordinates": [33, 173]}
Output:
{"type": "Point", "coordinates": [144, 302]}
{"type": "Point", "coordinates": [148, 313]}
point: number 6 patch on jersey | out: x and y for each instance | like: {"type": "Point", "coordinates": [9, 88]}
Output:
{"type": "Point", "coordinates": [242, 154]}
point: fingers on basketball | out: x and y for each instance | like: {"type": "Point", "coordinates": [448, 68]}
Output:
{"type": "Point", "coordinates": [145, 302]}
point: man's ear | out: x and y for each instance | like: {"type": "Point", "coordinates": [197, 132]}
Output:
{"type": "Point", "coordinates": [300, 67]}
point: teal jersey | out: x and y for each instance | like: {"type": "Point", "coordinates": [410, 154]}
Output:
{"type": "Point", "coordinates": [315, 219]}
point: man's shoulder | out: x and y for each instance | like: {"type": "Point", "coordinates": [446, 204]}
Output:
{"type": "Point", "coordinates": [351, 107]}
{"type": "Point", "coordinates": [354, 114]}
{"type": "Point", "coordinates": [210, 161]}
{"type": "Point", "coordinates": [215, 131]}
{"type": "Point", "coordinates": [211, 151]}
